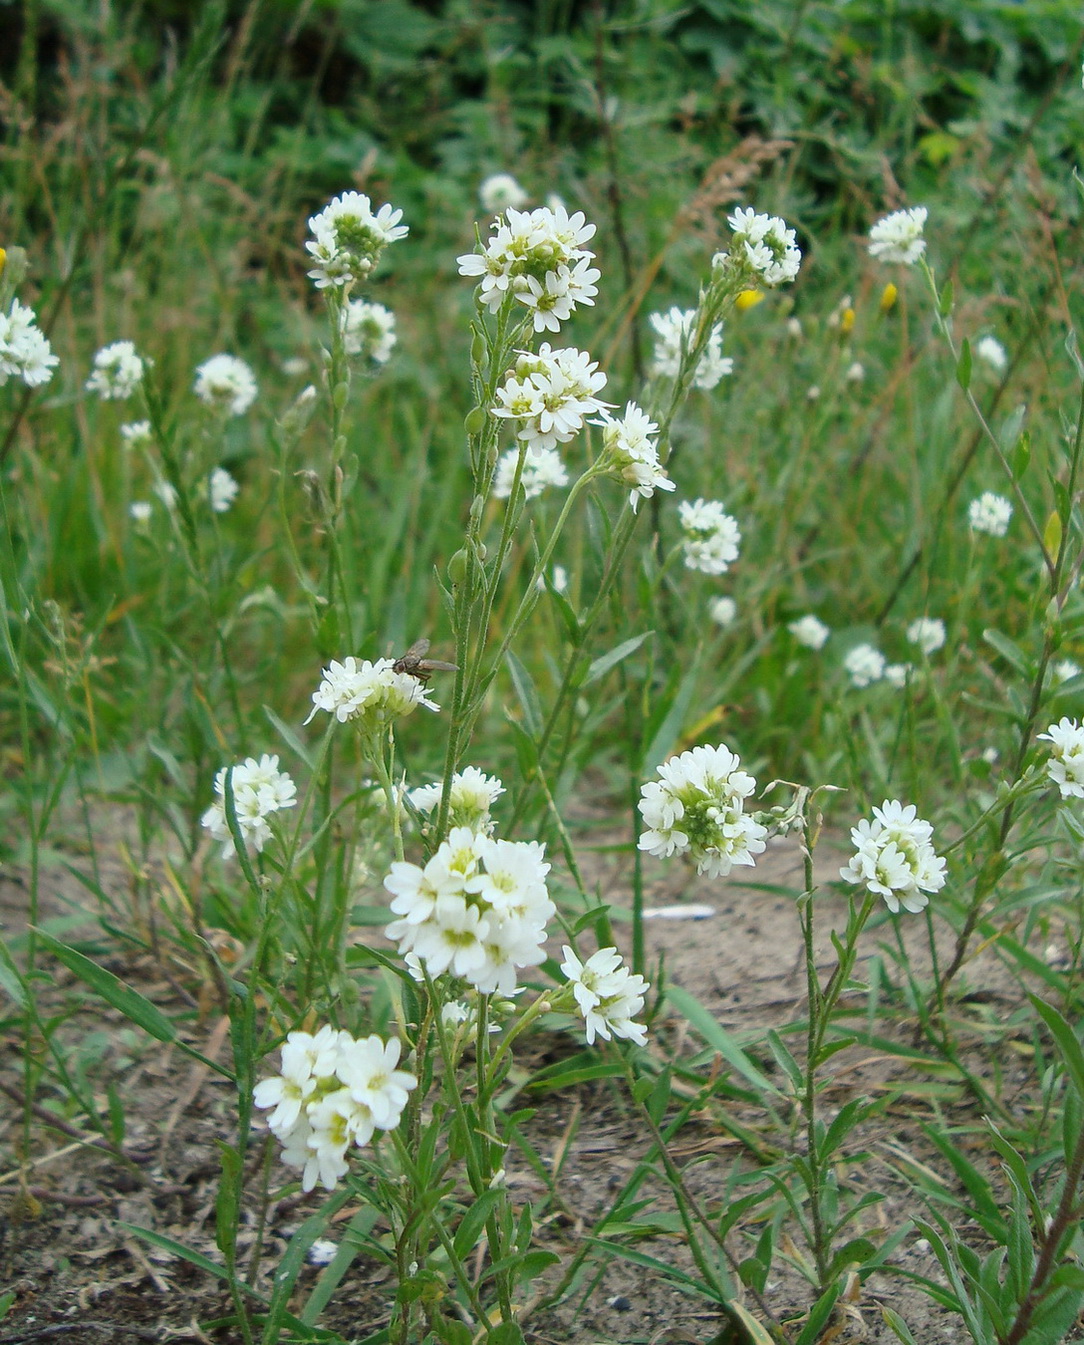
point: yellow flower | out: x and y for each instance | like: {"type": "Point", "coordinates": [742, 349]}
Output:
{"type": "Point", "coordinates": [748, 299]}
{"type": "Point", "coordinates": [846, 320]}
{"type": "Point", "coordinates": [888, 297]}
{"type": "Point", "coordinates": [3, 260]}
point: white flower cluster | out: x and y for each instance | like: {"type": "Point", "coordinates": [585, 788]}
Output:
{"type": "Point", "coordinates": [136, 433]}
{"type": "Point", "coordinates": [894, 858]}
{"type": "Point", "coordinates": [710, 536]}
{"type": "Point", "coordinates": [673, 331]}
{"type": "Point", "coordinates": [696, 807]}
{"type": "Point", "coordinates": [477, 910]}
{"type": "Point", "coordinates": [118, 371]}
{"type": "Point", "coordinates": [332, 1091]}
{"type": "Point", "coordinates": [928, 633]}
{"type": "Point", "coordinates": [550, 393]}
{"type": "Point", "coordinates": [810, 631]}
{"type": "Point", "coordinates": [990, 350]}
{"type": "Point", "coordinates": [24, 352]}
{"type": "Point", "coordinates": [541, 469]}
{"type": "Point", "coordinates": [259, 789]}
{"type": "Point", "coordinates": [226, 382]}
{"type": "Point", "coordinates": [372, 693]}
{"type": "Point", "coordinates": [631, 455]}
{"type": "Point", "coordinates": [348, 238]}
{"type": "Point", "coordinates": [538, 257]}
{"type": "Point", "coordinates": [1066, 764]}
{"type": "Point", "coordinates": [368, 331]}
{"type": "Point", "coordinates": [608, 995]}
{"type": "Point", "coordinates": [764, 245]}
{"type": "Point", "coordinates": [470, 798]}
{"type": "Point", "coordinates": [864, 665]}
{"type": "Point", "coordinates": [723, 611]}
{"type": "Point", "coordinates": [990, 514]}
{"type": "Point", "coordinates": [499, 191]}
{"type": "Point", "coordinates": [898, 237]}
{"type": "Point", "coordinates": [221, 490]}
{"type": "Point", "coordinates": [1063, 670]}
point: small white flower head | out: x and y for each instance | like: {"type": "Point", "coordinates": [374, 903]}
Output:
{"type": "Point", "coordinates": [1066, 764]}
{"type": "Point", "coordinates": [558, 580]}
{"type": "Point", "coordinates": [541, 470]}
{"type": "Point", "coordinates": [990, 514]}
{"type": "Point", "coordinates": [372, 694]}
{"type": "Point", "coordinates": [812, 393]}
{"type": "Point", "coordinates": [696, 808]}
{"type": "Point", "coordinates": [478, 910]}
{"type": "Point", "coordinates": [550, 394]}
{"type": "Point", "coordinates": [500, 191]}
{"type": "Point", "coordinates": [894, 857]}
{"type": "Point", "coordinates": [864, 665]}
{"type": "Point", "coordinates": [898, 237]}
{"type": "Point", "coordinates": [1063, 671]}
{"type": "Point", "coordinates": [723, 611]}
{"type": "Point", "coordinates": [710, 537]}
{"type": "Point", "coordinates": [368, 331]}
{"type": "Point", "coordinates": [794, 328]}
{"type": "Point", "coordinates": [221, 490]}
{"type": "Point", "coordinates": [118, 371]}
{"type": "Point", "coordinates": [259, 790]}
{"type": "Point", "coordinates": [470, 798]}
{"type": "Point", "coordinates": [331, 1092]}
{"type": "Point", "coordinates": [227, 383]}
{"type": "Point", "coordinates": [809, 631]}
{"type": "Point", "coordinates": [673, 333]}
{"type": "Point", "coordinates": [991, 352]}
{"type": "Point", "coordinates": [348, 238]}
{"type": "Point", "coordinates": [322, 1252]}
{"type": "Point", "coordinates": [898, 674]}
{"type": "Point", "coordinates": [764, 247]}
{"type": "Point", "coordinates": [607, 994]}
{"type": "Point", "coordinates": [928, 633]}
{"type": "Point", "coordinates": [24, 352]}
{"type": "Point", "coordinates": [136, 433]}
{"type": "Point", "coordinates": [855, 373]}
{"type": "Point", "coordinates": [538, 257]}
{"type": "Point", "coordinates": [140, 510]}
{"type": "Point", "coordinates": [630, 454]}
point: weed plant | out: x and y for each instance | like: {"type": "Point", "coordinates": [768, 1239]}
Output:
{"type": "Point", "coordinates": [343, 597]}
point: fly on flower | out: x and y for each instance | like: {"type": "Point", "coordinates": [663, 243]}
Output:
{"type": "Point", "coordinates": [415, 664]}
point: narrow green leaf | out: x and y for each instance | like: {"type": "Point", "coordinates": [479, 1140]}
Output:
{"type": "Point", "coordinates": [755, 1332]}
{"type": "Point", "coordinates": [527, 696]}
{"type": "Point", "coordinates": [127, 1001]}
{"type": "Point", "coordinates": [1021, 457]}
{"type": "Point", "coordinates": [898, 1326]}
{"type": "Point", "coordinates": [187, 1254]}
{"type": "Point", "coordinates": [602, 665]}
{"type": "Point", "coordinates": [1010, 652]}
{"type": "Point", "coordinates": [818, 1317]}
{"type": "Point", "coordinates": [717, 1037]}
{"type": "Point", "coordinates": [1066, 1041]}
{"type": "Point", "coordinates": [963, 365]}
{"type": "Point", "coordinates": [291, 738]}
{"type": "Point", "coordinates": [473, 1222]}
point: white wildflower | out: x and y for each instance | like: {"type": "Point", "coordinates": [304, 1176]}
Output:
{"type": "Point", "coordinates": [25, 353]}
{"type": "Point", "coordinates": [696, 807]}
{"type": "Point", "coordinates": [810, 631]}
{"type": "Point", "coordinates": [221, 490]}
{"type": "Point", "coordinates": [1066, 764]}
{"type": "Point", "coordinates": [368, 331]}
{"type": "Point", "coordinates": [259, 790]}
{"type": "Point", "coordinates": [1063, 670]}
{"type": "Point", "coordinates": [607, 994]}
{"type": "Point", "coordinates": [500, 191]}
{"type": "Point", "coordinates": [990, 351]}
{"type": "Point", "coordinates": [629, 453]}
{"type": "Point", "coordinates": [140, 510]}
{"type": "Point", "coordinates": [763, 247]}
{"type": "Point", "coordinates": [710, 536]}
{"type": "Point", "coordinates": [723, 611]}
{"type": "Point", "coordinates": [550, 394]}
{"type": "Point", "coordinates": [898, 674]}
{"type": "Point", "coordinates": [471, 796]}
{"type": "Point", "coordinates": [118, 371]}
{"type": "Point", "coordinates": [673, 332]}
{"type": "Point", "coordinates": [898, 237]}
{"type": "Point", "coordinates": [990, 514]}
{"type": "Point", "coordinates": [854, 373]}
{"type": "Point", "coordinates": [928, 633]}
{"type": "Point", "coordinates": [864, 664]}
{"type": "Point", "coordinates": [894, 857]}
{"type": "Point", "coordinates": [374, 694]}
{"type": "Point", "coordinates": [136, 433]}
{"type": "Point", "coordinates": [226, 382]}
{"type": "Point", "coordinates": [541, 469]}
{"type": "Point", "coordinates": [348, 238]}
